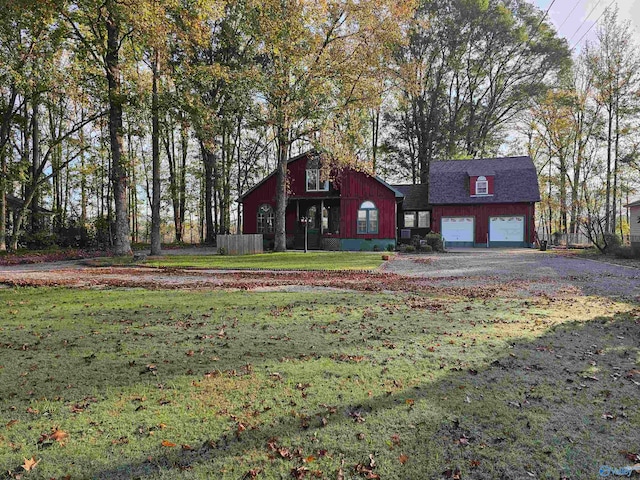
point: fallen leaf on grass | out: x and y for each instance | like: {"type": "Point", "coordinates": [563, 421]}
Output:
{"type": "Point", "coordinates": [30, 464]}
{"type": "Point", "coordinates": [59, 436]}
{"type": "Point", "coordinates": [634, 457]}
{"type": "Point", "coordinates": [454, 474]}
{"type": "Point", "coordinates": [299, 472]}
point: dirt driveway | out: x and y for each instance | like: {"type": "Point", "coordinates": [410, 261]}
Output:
{"type": "Point", "coordinates": [523, 271]}
{"type": "Point", "coordinates": [541, 271]}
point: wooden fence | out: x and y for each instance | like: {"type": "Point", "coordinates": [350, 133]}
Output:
{"type": "Point", "coordinates": [239, 244]}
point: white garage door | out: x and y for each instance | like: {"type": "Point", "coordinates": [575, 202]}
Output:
{"type": "Point", "coordinates": [457, 229]}
{"type": "Point", "coordinates": [506, 229]}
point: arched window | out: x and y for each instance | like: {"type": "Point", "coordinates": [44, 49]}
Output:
{"type": "Point", "coordinates": [482, 186]}
{"type": "Point", "coordinates": [265, 218]}
{"type": "Point", "coordinates": [367, 218]}
{"type": "Point", "coordinates": [314, 183]}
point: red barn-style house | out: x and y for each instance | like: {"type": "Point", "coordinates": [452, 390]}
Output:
{"type": "Point", "coordinates": [353, 211]}
{"type": "Point", "coordinates": [484, 202]}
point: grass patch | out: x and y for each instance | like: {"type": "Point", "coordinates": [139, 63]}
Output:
{"type": "Point", "coordinates": [274, 261]}
{"type": "Point", "coordinates": [180, 384]}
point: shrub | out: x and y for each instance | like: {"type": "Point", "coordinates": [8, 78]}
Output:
{"type": "Point", "coordinates": [627, 252]}
{"type": "Point", "coordinates": [434, 240]}
{"type": "Point", "coordinates": [102, 232]}
{"type": "Point", "coordinates": [612, 242]}
{"type": "Point", "coordinates": [39, 240]}
{"type": "Point", "coordinates": [74, 234]}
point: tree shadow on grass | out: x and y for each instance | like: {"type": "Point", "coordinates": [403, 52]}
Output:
{"type": "Point", "coordinates": [559, 406]}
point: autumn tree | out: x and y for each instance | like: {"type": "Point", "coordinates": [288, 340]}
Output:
{"type": "Point", "coordinates": [615, 64]}
{"type": "Point", "coordinates": [318, 59]}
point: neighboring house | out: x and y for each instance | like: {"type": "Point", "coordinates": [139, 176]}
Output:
{"type": "Point", "coordinates": [484, 202]}
{"type": "Point", "coordinates": [634, 223]}
{"type": "Point", "coordinates": [353, 211]}
{"type": "Point", "coordinates": [471, 202]}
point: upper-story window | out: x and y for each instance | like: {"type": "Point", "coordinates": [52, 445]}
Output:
{"type": "Point", "coordinates": [482, 186]}
{"type": "Point", "coordinates": [314, 182]}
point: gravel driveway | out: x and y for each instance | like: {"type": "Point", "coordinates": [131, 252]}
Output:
{"type": "Point", "coordinates": [525, 271]}
{"type": "Point", "coordinates": [538, 271]}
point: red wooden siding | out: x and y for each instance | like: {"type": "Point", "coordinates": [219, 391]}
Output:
{"type": "Point", "coordinates": [357, 187]}
{"type": "Point", "coordinates": [482, 214]}
{"type": "Point", "coordinates": [353, 188]}
{"type": "Point", "coordinates": [473, 180]}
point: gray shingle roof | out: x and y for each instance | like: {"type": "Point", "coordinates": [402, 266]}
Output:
{"type": "Point", "coordinates": [415, 196]}
{"type": "Point", "coordinates": [515, 178]}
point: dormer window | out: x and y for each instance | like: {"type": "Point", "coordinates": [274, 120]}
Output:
{"type": "Point", "coordinates": [482, 186]}
{"type": "Point", "coordinates": [314, 183]}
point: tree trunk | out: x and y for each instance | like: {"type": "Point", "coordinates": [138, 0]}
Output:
{"type": "Point", "coordinates": [182, 184]}
{"type": "Point", "coordinates": [121, 241]}
{"type": "Point", "coordinates": [156, 245]}
{"type": "Point", "coordinates": [607, 208]}
{"type": "Point", "coordinates": [208, 160]}
{"type": "Point", "coordinates": [3, 201]}
{"type": "Point", "coordinates": [280, 244]}
{"type": "Point", "coordinates": [36, 224]}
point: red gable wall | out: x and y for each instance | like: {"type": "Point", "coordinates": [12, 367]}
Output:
{"type": "Point", "coordinates": [358, 187]}
{"type": "Point", "coordinates": [353, 188]}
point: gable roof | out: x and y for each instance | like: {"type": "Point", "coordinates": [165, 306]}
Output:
{"type": "Point", "coordinates": [415, 196]}
{"type": "Point", "coordinates": [397, 193]}
{"type": "Point", "coordinates": [515, 180]}
{"type": "Point", "coordinates": [15, 203]}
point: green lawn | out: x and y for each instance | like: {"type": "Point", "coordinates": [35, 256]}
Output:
{"type": "Point", "coordinates": [275, 261]}
{"type": "Point", "coordinates": [211, 385]}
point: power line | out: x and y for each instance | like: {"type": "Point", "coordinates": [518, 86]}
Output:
{"type": "Point", "coordinates": [593, 24]}
{"type": "Point", "coordinates": [584, 21]}
{"type": "Point", "coordinates": [567, 17]}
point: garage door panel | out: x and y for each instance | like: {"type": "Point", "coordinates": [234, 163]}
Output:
{"type": "Point", "coordinates": [458, 229]}
{"type": "Point", "coordinates": [506, 229]}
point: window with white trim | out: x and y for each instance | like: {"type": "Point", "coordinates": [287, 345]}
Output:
{"type": "Point", "coordinates": [265, 219]}
{"type": "Point", "coordinates": [410, 220]}
{"type": "Point", "coordinates": [313, 178]}
{"type": "Point", "coordinates": [482, 186]}
{"type": "Point", "coordinates": [367, 218]}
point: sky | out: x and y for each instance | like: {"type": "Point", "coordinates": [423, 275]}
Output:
{"type": "Point", "coordinates": [573, 18]}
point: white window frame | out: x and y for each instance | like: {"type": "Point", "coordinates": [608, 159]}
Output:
{"type": "Point", "coordinates": [482, 183]}
{"type": "Point", "coordinates": [412, 224]}
{"type": "Point", "coordinates": [265, 217]}
{"type": "Point", "coordinates": [424, 215]}
{"type": "Point", "coordinates": [319, 185]}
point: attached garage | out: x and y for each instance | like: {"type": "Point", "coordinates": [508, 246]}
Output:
{"type": "Point", "coordinates": [458, 231]}
{"type": "Point", "coordinates": [506, 231]}
{"type": "Point", "coordinates": [488, 202]}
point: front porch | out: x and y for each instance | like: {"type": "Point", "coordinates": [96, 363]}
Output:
{"type": "Point", "coordinates": [321, 217]}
